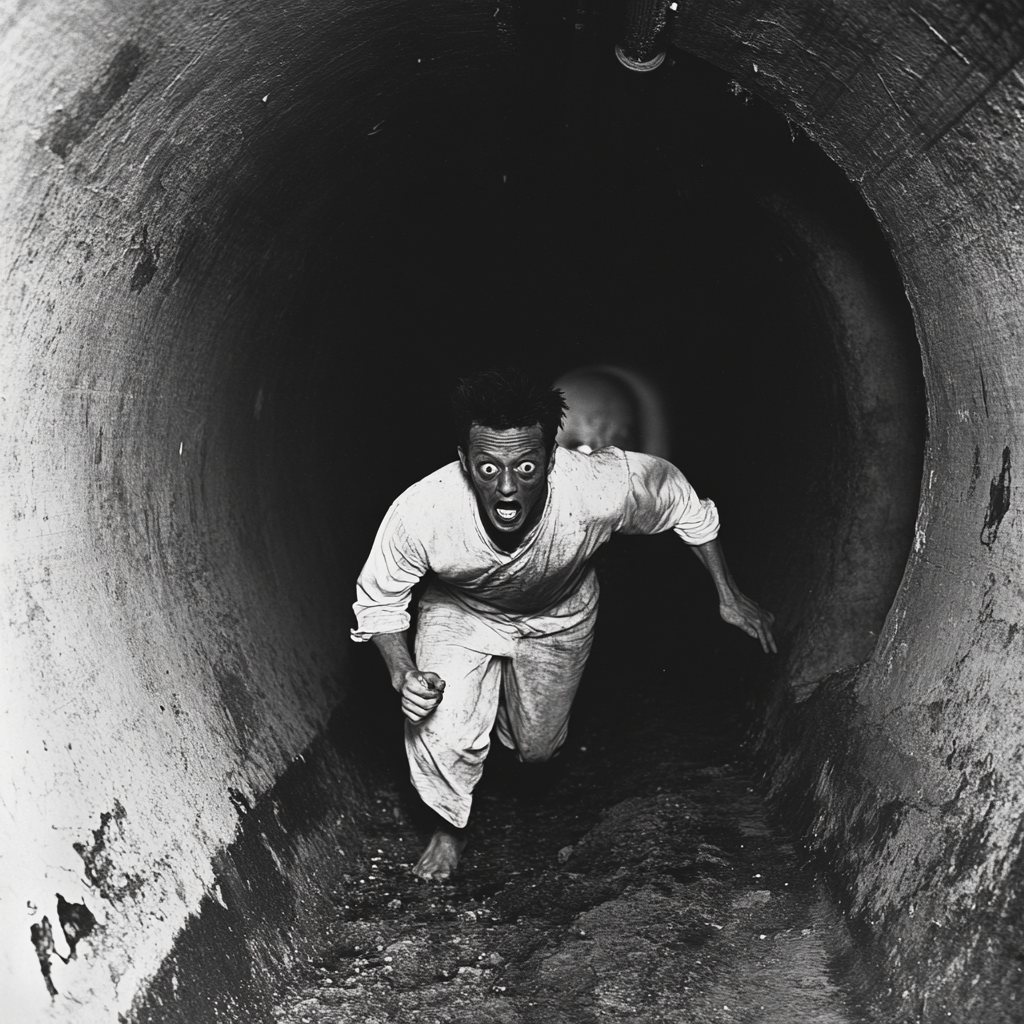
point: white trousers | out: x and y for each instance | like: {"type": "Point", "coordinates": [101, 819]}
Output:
{"type": "Point", "coordinates": [522, 684]}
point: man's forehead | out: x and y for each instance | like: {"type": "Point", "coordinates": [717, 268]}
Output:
{"type": "Point", "coordinates": [518, 439]}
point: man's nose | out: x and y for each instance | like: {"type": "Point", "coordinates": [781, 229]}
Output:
{"type": "Point", "coordinates": [507, 482]}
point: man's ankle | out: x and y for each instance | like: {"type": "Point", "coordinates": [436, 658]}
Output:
{"type": "Point", "coordinates": [445, 827]}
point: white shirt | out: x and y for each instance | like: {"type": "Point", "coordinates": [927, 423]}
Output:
{"type": "Point", "coordinates": [546, 584]}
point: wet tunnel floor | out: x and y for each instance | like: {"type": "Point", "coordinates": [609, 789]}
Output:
{"type": "Point", "coordinates": [615, 891]}
{"type": "Point", "coordinates": [636, 877]}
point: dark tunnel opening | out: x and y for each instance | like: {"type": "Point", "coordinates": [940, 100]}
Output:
{"type": "Point", "coordinates": [678, 226]}
{"type": "Point", "coordinates": [674, 224]}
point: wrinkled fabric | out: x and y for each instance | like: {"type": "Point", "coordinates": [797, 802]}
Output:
{"type": "Point", "coordinates": [526, 682]}
{"type": "Point", "coordinates": [546, 585]}
{"type": "Point", "coordinates": [509, 632]}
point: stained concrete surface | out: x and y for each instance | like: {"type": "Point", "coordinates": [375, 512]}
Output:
{"type": "Point", "coordinates": [677, 902]}
{"type": "Point", "coordinates": [638, 876]}
{"type": "Point", "coordinates": [178, 181]}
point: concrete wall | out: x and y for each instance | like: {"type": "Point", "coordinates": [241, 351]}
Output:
{"type": "Point", "coordinates": [918, 799]}
{"type": "Point", "coordinates": [171, 638]}
{"type": "Point", "coordinates": [172, 627]}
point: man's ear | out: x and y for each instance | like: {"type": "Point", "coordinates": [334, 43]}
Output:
{"type": "Point", "coordinates": [462, 459]}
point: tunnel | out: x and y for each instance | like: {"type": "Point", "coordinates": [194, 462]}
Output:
{"type": "Point", "coordinates": [246, 250]}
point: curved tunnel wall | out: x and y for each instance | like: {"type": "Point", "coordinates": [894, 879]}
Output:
{"type": "Point", "coordinates": [171, 640]}
{"type": "Point", "coordinates": [919, 801]}
{"type": "Point", "coordinates": [171, 628]}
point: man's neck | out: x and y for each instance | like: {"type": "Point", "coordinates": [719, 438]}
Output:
{"type": "Point", "coordinates": [505, 541]}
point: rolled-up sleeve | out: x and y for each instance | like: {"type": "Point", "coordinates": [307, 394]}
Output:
{"type": "Point", "coordinates": [660, 498]}
{"type": "Point", "coordinates": [397, 562]}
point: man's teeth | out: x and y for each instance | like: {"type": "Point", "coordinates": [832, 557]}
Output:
{"type": "Point", "coordinates": [507, 513]}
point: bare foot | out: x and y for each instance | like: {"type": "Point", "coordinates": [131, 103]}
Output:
{"type": "Point", "coordinates": [442, 853]}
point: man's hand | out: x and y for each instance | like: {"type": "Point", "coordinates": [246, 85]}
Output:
{"type": "Point", "coordinates": [751, 618]}
{"type": "Point", "coordinates": [421, 693]}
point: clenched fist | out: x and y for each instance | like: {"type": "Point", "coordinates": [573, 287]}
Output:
{"type": "Point", "coordinates": [421, 693]}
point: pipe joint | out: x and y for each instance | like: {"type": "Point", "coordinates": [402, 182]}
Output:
{"type": "Point", "coordinates": [640, 49]}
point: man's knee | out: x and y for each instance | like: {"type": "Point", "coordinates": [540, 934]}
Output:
{"type": "Point", "coordinates": [534, 753]}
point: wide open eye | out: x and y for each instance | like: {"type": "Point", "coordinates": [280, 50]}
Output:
{"type": "Point", "coordinates": [527, 468]}
{"type": "Point", "coordinates": [487, 470]}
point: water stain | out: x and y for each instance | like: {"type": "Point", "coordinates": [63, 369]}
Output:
{"type": "Point", "coordinates": [100, 862]}
{"type": "Point", "coordinates": [67, 130]}
{"type": "Point", "coordinates": [998, 502]}
{"type": "Point", "coordinates": [76, 921]}
{"type": "Point", "coordinates": [237, 698]}
{"type": "Point", "coordinates": [146, 267]}
{"type": "Point", "coordinates": [239, 801]}
{"type": "Point", "coordinates": [975, 472]}
{"type": "Point", "coordinates": [42, 939]}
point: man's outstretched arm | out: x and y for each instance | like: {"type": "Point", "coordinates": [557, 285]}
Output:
{"type": "Point", "coordinates": [421, 691]}
{"type": "Point", "coordinates": [734, 606]}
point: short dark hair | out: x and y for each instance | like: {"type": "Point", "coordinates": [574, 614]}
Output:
{"type": "Point", "coordinates": [505, 398]}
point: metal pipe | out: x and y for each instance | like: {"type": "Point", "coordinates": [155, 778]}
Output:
{"type": "Point", "coordinates": [641, 49]}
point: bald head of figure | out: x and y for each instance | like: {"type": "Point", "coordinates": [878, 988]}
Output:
{"type": "Point", "coordinates": [602, 411]}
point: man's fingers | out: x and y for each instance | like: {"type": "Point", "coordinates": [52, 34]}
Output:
{"type": "Point", "coordinates": [418, 709]}
{"type": "Point", "coordinates": [759, 634]}
{"type": "Point", "coordinates": [424, 684]}
{"type": "Point", "coordinates": [415, 683]}
{"type": "Point", "coordinates": [421, 693]}
{"type": "Point", "coordinates": [427, 702]}
{"type": "Point", "coordinates": [756, 622]}
{"type": "Point", "coordinates": [419, 690]}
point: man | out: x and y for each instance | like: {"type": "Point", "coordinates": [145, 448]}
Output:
{"type": "Point", "coordinates": [505, 626]}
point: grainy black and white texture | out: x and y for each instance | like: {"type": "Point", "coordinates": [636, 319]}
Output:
{"type": "Point", "coordinates": [243, 250]}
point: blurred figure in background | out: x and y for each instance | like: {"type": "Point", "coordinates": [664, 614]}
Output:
{"type": "Point", "coordinates": [610, 405]}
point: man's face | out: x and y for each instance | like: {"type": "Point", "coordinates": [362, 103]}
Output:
{"type": "Point", "coordinates": [508, 470]}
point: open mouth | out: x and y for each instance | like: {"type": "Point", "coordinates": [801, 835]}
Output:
{"type": "Point", "coordinates": [507, 511]}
